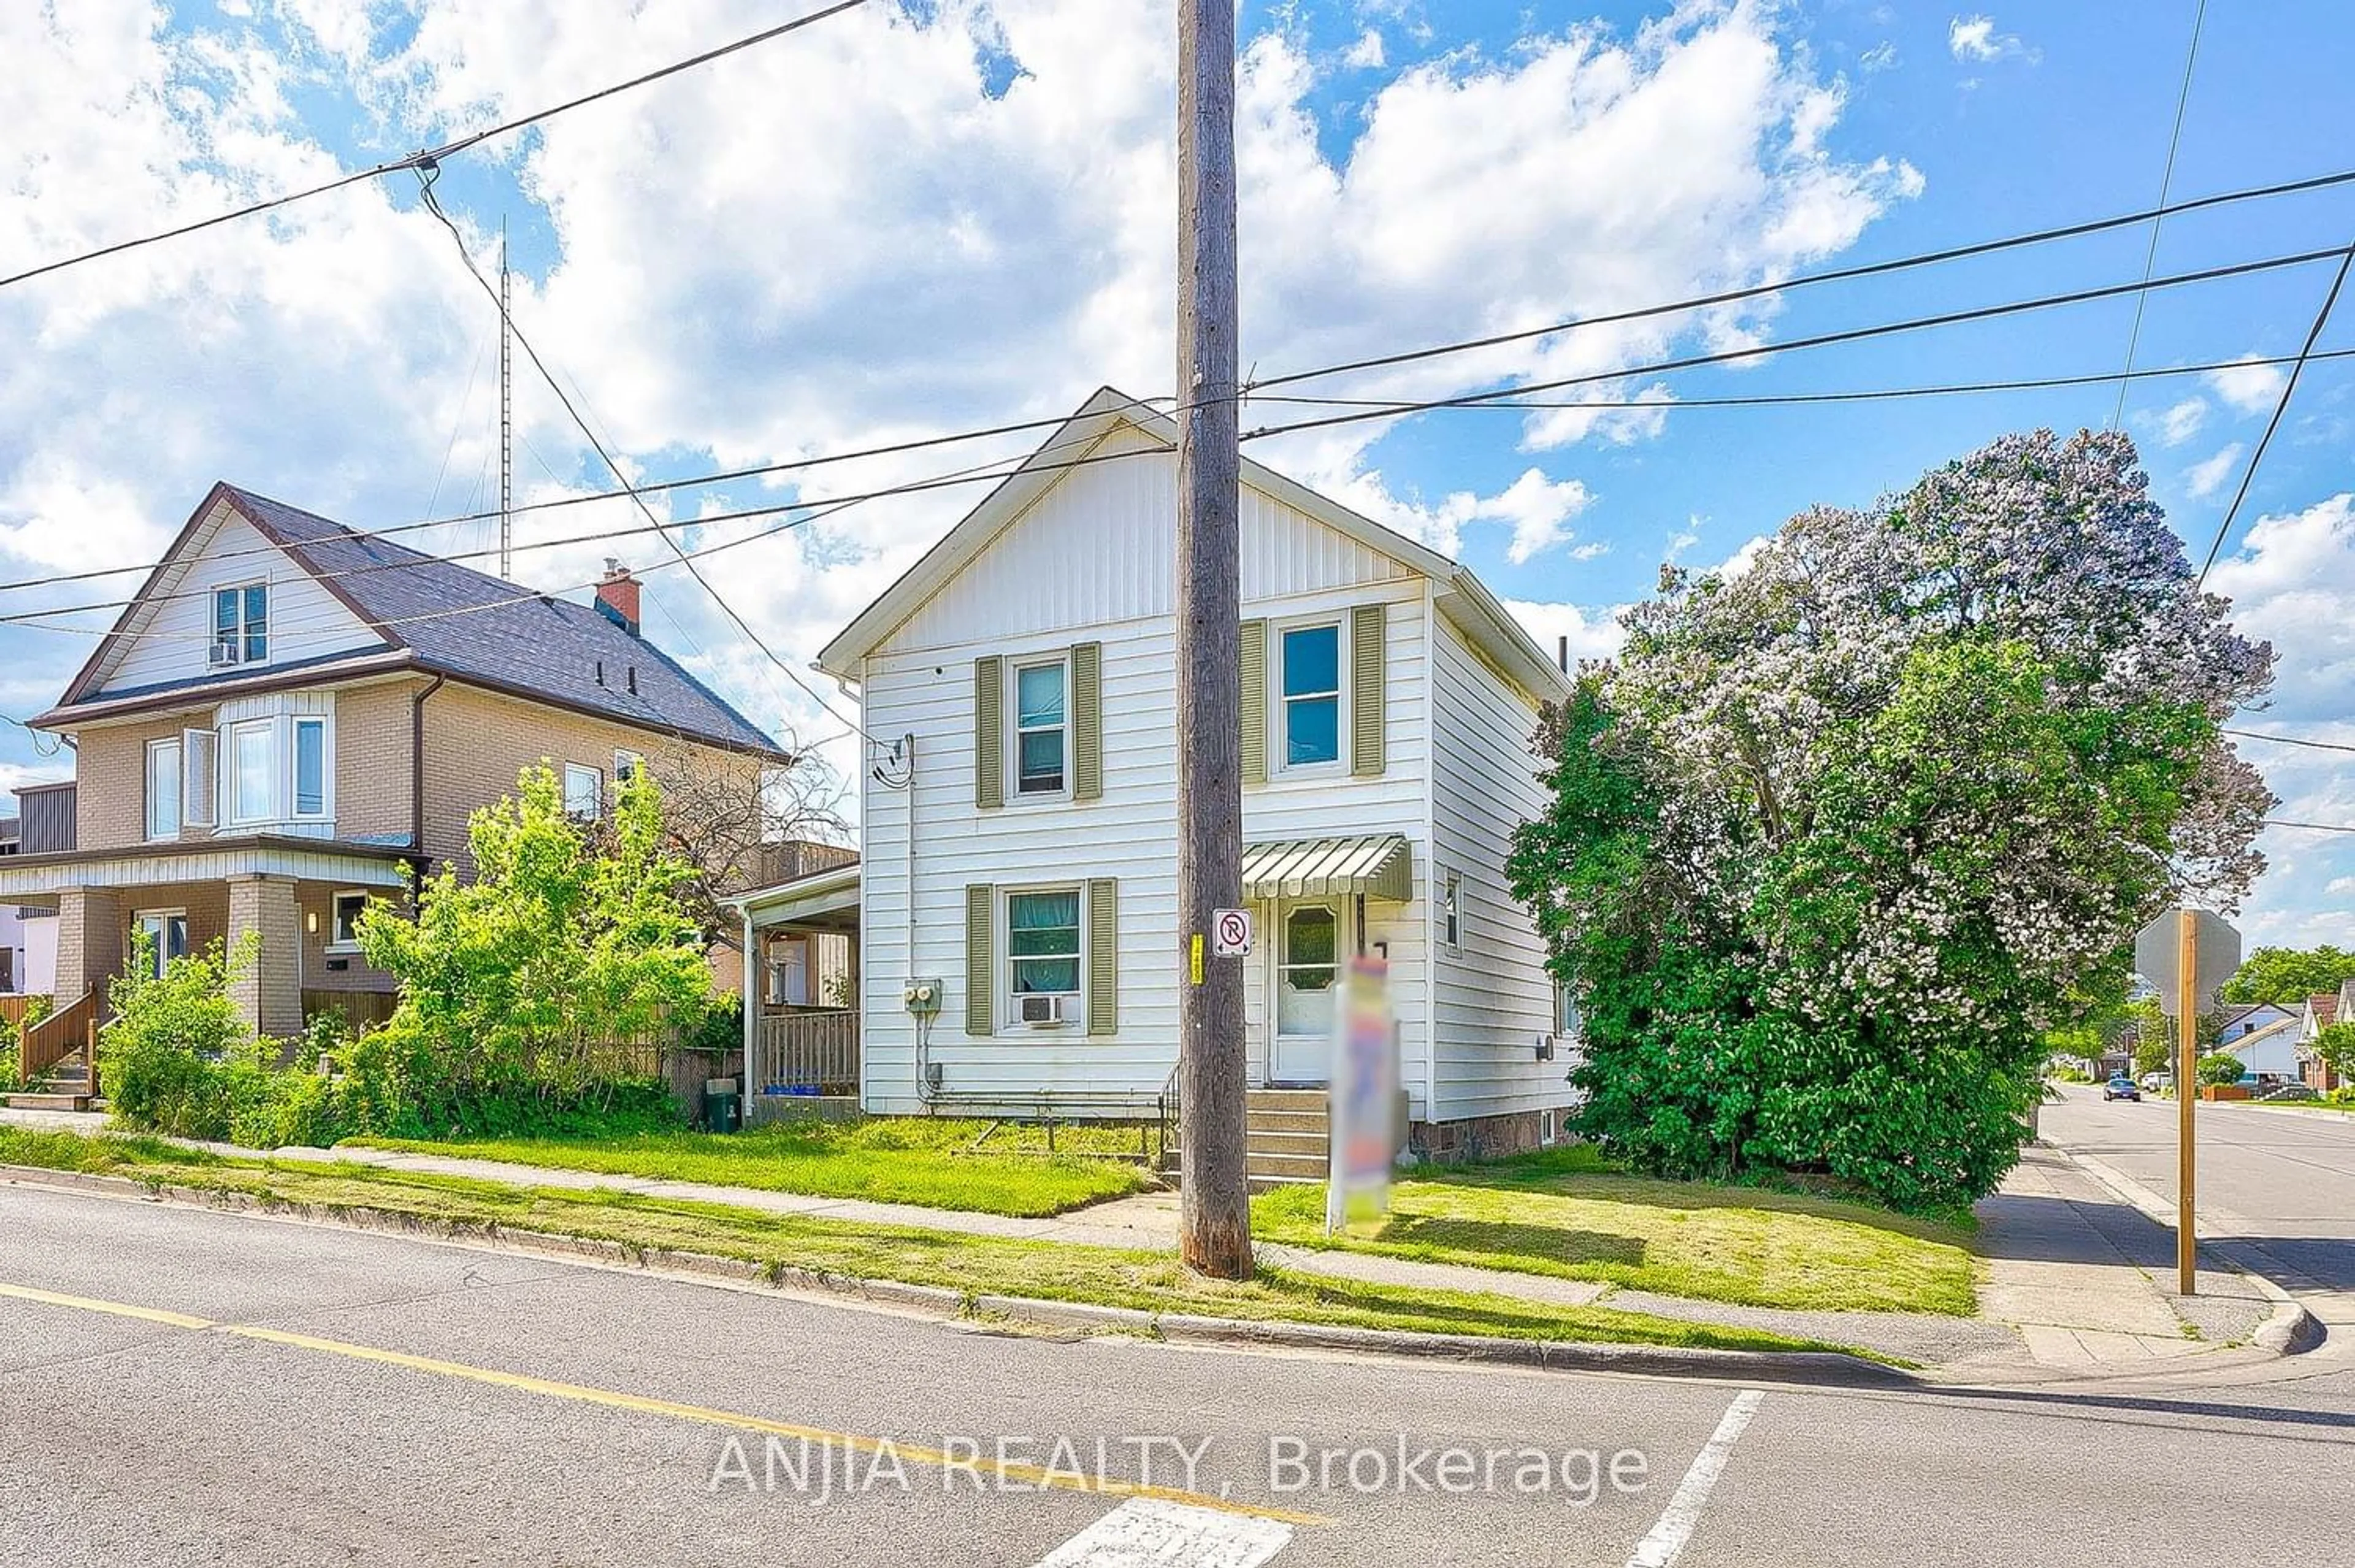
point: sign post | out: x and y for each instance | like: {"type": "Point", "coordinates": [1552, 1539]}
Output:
{"type": "Point", "coordinates": [2186, 954]}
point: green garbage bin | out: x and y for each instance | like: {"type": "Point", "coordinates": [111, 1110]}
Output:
{"type": "Point", "coordinates": [722, 1111]}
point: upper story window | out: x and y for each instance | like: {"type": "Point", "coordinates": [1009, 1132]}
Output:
{"type": "Point", "coordinates": [242, 624]}
{"type": "Point", "coordinates": [278, 769]}
{"type": "Point", "coordinates": [1040, 728]}
{"type": "Point", "coordinates": [1309, 714]}
{"type": "Point", "coordinates": [627, 765]}
{"type": "Point", "coordinates": [164, 788]}
{"type": "Point", "coordinates": [584, 792]}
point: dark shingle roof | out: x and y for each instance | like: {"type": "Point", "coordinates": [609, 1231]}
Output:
{"type": "Point", "coordinates": [504, 634]}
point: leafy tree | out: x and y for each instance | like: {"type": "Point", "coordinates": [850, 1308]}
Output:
{"type": "Point", "coordinates": [2288, 975]}
{"type": "Point", "coordinates": [557, 947]}
{"type": "Point", "coordinates": [1838, 839]}
{"type": "Point", "coordinates": [2336, 1046]}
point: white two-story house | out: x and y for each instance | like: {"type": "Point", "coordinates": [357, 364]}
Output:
{"type": "Point", "coordinates": [1019, 859]}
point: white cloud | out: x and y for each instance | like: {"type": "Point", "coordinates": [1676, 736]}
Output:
{"type": "Point", "coordinates": [2248, 387]}
{"type": "Point", "coordinates": [2182, 421]}
{"type": "Point", "coordinates": [892, 224]}
{"type": "Point", "coordinates": [1538, 509]}
{"type": "Point", "coordinates": [1365, 54]}
{"type": "Point", "coordinates": [1594, 634]}
{"type": "Point", "coordinates": [1974, 39]}
{"type": "Point", "coordinates": [2203, 479]}
{"type": "Point", "coordinates": [1881, 57]}
{"type": "Point", "coordinates": [2290, 583]}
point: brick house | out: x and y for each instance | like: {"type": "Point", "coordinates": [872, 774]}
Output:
{"type": "Point", "coordinates": [291, 717]}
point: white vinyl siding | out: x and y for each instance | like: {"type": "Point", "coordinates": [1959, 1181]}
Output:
{"type": "Point", "coordinates": [171, 638]}
{"type": "Point", "coordinates": [1126, 835]}
{"type": "Point", "coordinates": [1495, 1001]}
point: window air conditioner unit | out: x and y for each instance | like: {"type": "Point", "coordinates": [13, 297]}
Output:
{"type": "Point", "coordinates": [1038, 1012]}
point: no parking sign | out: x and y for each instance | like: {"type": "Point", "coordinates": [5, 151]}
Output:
{"type": "Point", "coordinates": [1231, 933]}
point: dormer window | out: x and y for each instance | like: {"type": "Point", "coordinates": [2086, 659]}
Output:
{"type": "Point", "coordinates": [242, 624]}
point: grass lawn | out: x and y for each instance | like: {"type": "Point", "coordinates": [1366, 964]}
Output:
{"type": "Point", "coordinates": [1564, 1212]}
{"type": "Point", "coordinates": [973, 1264]}
{"type": "Point", "coordinates": [992, 1168]}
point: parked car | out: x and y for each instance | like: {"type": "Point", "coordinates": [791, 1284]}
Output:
{"type": "Point", "coordinates": [2122, 1088]}
{"type": "Point", "coordinates": [2153, 1083]}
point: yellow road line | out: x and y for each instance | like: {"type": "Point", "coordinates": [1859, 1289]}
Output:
{"type": "Point", "coordinates": [112, 1309]}
{"type": "Point", "coordinates": [1040, 1477]}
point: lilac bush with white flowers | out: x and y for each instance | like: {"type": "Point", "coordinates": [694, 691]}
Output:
{"type": "Point", "coordinates": [1836, 840]}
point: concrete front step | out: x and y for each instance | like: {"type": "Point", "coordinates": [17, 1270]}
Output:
{"type": "Point", "coordinates": [1314, 1100]}
{"type": "Point", "coordinates": [1303, 1145]}
{"type": "Point", "coordinates": [47, 1102]}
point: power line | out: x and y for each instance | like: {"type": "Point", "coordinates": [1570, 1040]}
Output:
{"type": "Point", "coordinates": [1368, 408]}
{"type": "Point", "coordinates": [1838, 274]}
{"type": "Point", "coordinates": [2309, 826]}
{"type": "Point", "coordinates": [2165, 182]}
{"type": "Point", "coordinates": [2312, 182]}
{"type": "Point", "coordinates": [1781, 399]}
{"type": "Point", "coordinates": [1822, 340]}
{"type": "Point", "coordinates": [2281, 407]}
{"type": "Point", "coordinates": [992, 472]}
{"type": "Point", "coordinates": [2292, 740]}
{"type": "Point", "coordinates": [430, 157]}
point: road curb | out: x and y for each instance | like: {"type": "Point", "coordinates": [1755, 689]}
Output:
{"type": "Point", "coordinates": [2290, 1330]}
{"type": "Point", "coordinates": [1830, 1368]}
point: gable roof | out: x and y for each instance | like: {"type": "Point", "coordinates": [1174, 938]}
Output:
{"type": "Point", "coordinates": [443, 618]}
{"type": "Point", "coordinates": [1464, 598]}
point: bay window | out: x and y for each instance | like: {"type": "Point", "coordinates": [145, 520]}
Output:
{"type": "Point", "coordinates": [310, 767]}
{"type": "Point", "coordinates": [252, 761]}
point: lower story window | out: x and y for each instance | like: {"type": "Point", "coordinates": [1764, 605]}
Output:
{"type": "Point", "coordinates": [1043, 940]}
{"type": "Point", "coordinates": [344, 924]}
{"type": "Point", "coordinates": [164, 935]}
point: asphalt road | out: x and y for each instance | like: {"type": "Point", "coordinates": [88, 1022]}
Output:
{"type": "Point", "coordinates": [183, 1386]}
{"type": "Point", "coordinates": [2283, 1178]}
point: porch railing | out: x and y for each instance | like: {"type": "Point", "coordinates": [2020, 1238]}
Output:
{"type": "Point", "coordinates": [815, 1052]}
{"type": "Point", "coordinates": [70, 1028]}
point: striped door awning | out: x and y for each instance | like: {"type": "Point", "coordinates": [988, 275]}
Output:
{"type": "Point", "coordinates": [1376, 865]}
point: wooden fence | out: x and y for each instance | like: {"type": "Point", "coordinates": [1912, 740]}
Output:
{"type": "Point", "coordinates": [12, 1011]}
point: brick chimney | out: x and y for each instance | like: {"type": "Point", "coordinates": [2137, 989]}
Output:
{"type": "Point", "coordinates": [617, 596]}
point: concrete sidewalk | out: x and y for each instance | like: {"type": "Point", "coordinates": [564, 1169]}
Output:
{"type": "Point", "coordinates": [2088, 1281]}
{"type": "Point", "coordinates": [2071, 1284]}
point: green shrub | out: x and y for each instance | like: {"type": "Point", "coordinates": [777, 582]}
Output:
{"type": "Point", "coordinates": [164, 1056]}
{"type": "Point", "coordinates": [2221, 1067]}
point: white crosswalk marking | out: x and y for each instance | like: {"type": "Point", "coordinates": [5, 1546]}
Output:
{"type": "Point", "coordinates": [1146, 1532]}
{"type": "Point", "coordinates": [1666, 1541]}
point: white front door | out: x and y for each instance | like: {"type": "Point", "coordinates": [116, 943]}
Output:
{"type": "Point", "coordinates": [1309, 938]}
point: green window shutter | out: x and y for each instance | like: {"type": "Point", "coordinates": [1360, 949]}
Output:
{"type": "Point", "coordinates": [988, 732]}
{"type": "Point", "coordinates": [1254, 701]}
{"type": "Point", "coordinates": [980, 969]}
{"type": "Point", "coordinates": [1367, 668]}
{"type": "Point", "coordinates": [1103, 956]}
{"type": "Point", "coordinates": [1087, 721]}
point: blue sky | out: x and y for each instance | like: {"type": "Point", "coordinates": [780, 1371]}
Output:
{"type": "Point", "coordinates": [914, 221]}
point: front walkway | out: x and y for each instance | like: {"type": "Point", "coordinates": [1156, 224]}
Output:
{"type": "Point", "coordinates": [2075, 1281]}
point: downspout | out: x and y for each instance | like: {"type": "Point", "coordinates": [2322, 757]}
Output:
{"type": "Point", "coordinates": [919, 1030]}
{"type": "Point", "coordinates": [417, 771]}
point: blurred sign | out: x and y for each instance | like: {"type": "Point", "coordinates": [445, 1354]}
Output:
{"type": "Point", "coordinates": [2157, 956]}
{"type": "Point", "coordinates": [1364, 1095]}
{"type": "Point", "coordinates": [1230, 932]}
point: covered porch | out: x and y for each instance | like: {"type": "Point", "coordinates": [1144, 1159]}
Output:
{"type": "Point", "coordinates": [297, 898]}
{"type": "Point", "coordinates": [801, 985]}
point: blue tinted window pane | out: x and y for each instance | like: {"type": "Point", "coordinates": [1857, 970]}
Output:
{"type": "Point", "coordinates": [1041, 760]}
{"type": "Point", "coordinates": [257, 604]}
{"type": "Point", "coordinates": [225, 610]}
{"type": "Point", "coordinates": [1312, 730]}
{"type": "Point", "coordinates": [1038, 694]}
{"type": "Point", "coordinates": [310, 769]}
{"type": "Point", "coordinates": [1312, 660]}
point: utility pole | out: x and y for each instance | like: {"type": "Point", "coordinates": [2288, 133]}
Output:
{"type": "Point", "coordinates": [506, 419]}
{"type": "Point", "coordinates": [2187, 1091]}
{"type": "Point", "coordinates": [1214, 1192]}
